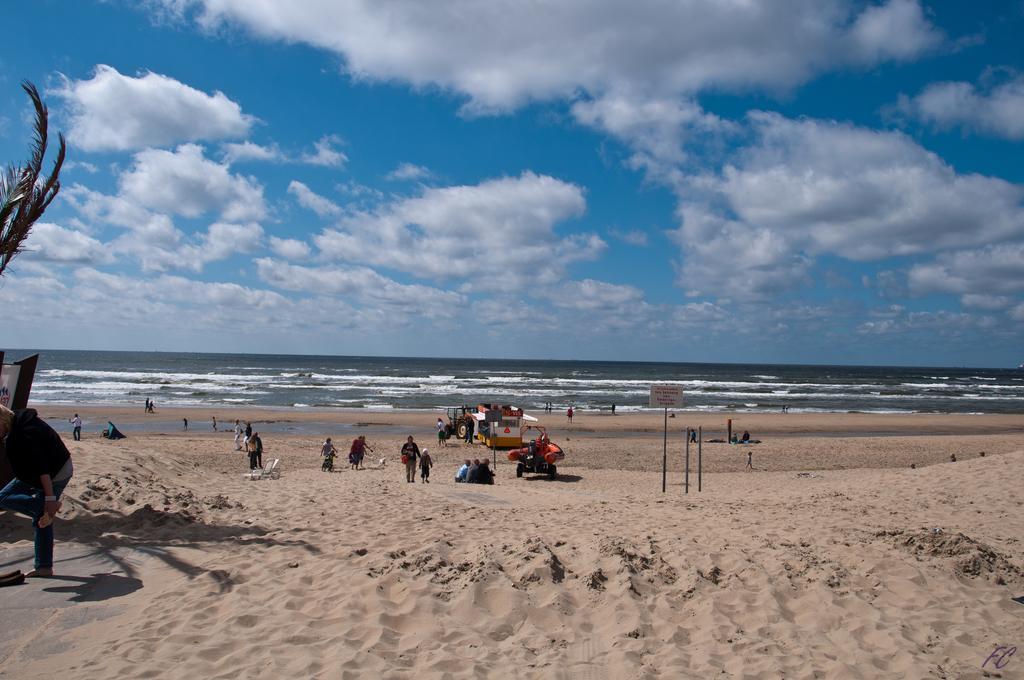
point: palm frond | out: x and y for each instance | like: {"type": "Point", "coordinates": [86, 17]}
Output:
{"type": "Point", "coordinates": [23, 199]}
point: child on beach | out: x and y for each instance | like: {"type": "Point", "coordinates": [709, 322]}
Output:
{"type": "Point", "coordinates": [750, 460]}
{"type": "Point", "coordinates": [442, 439]}
{"type": "Point", "coordinates": [328, 452]}
{"type": "Point", "coordinates": [425, 464]}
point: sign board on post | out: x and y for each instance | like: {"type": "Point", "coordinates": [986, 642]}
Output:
{"type": "Point", "coordinates": [666, 396]}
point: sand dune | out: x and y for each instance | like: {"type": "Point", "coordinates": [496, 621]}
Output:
{"type": "Point", "coordinates": [599, 575]}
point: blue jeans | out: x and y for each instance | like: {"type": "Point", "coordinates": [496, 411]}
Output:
{"type": "Point", "coordinates": [20, 497]}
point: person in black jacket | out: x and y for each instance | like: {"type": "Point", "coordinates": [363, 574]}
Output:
{"type": "Point", "coordinates": [410, 452]}
{"type": "Point", "coordinates": [42, 468]}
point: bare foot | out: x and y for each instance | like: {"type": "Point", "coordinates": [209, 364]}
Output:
{"type": "Point", "coordinates": [40, 573]}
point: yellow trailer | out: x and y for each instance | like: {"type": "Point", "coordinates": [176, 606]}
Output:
{"type": "Point", "coordinates": [501, 426]}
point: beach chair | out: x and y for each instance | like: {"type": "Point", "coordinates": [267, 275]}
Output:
{"type": "Point", "coordinates": [272, 471]}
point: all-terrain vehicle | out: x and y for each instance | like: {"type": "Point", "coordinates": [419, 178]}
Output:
{"type": "Point", "coordinates": [539, 456]}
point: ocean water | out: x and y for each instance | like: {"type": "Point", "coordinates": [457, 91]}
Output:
{"type": "Point", "coordinates": [375, 383]}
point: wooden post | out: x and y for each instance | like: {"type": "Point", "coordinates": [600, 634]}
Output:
{"type": "Point", "coordinates": [700, 456]}
{"type": "Point", "coordinates": [728, 436]}
{"type": "Point", "coordinates": [686, 479]}
{"type": "Point", "coordinates": [664, 455]}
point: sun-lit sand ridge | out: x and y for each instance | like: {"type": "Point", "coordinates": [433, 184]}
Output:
{"type": "Point", "coordinates": [597, 575]}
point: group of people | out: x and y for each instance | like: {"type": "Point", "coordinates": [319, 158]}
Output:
{"type": "Point", "coordinates": [355, 455]}
{"type": "Point", "coordinates": [411, 456]}
{"type": "Point", "coordinates": [476, 471]}
{"type": "Point", "coordinates": [150, 404]}
{"type": "Point", "coordinates": [250, 442]}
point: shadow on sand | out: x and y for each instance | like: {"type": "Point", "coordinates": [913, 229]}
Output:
{"type": "Point", "coordinates": [111, 536]}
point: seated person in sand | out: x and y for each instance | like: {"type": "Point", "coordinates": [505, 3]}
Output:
{"type": "Point", "coordinates": [484, 474]}
{"type": "Point", "coordinates": [471, 473]}
{"type": "Point", "coordinates": [745, 437]}
{"type": "Point", "coordinates": [460, 476]}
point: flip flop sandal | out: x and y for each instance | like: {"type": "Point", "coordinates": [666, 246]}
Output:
{"type": "Point", "coordinates": [14, 578]}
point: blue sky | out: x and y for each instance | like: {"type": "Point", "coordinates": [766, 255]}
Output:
{"type": "Point", "coordinates": [826, 182]}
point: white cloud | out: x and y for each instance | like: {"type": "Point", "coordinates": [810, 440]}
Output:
{"type": "Point", "coordinates": [325, 154]}
{"type": "Point", "coordinates": [988, 302]}
{"type": "Point", "coordinates": [50, 242]}
{"type": "Point", "coordinates": [406, 172]}
{"type": "Point", "coordinates": [996, 270]}
{"type": "Point", "coordinates": [589, 295]}
{"type": "Point", "coordinates": [184, 182]}
{"type": "Point", "coordinates": [998, 111]}
{"type": "Point", "coordinates": [114, 112]}
{"type": "Point", "coordinates": [804, 188]}
{"type": "Point", "coordinates": [655, 128]}
{"type": "Point", "coordinates": [311, 200]}
{"type": "Point", "coordinates": [80, 165]}
{"type": "Point", "coordinates": [153, 239]}
{"type": "Point", "coordinates": [633, 237]}
{"type": "Point", "coordinates": [289, 248]}
{"type": "Point", "coordinates": [514, 53]}
{"type": "Point", "coordinates": [250, 151]}
{"type": "Point", "coordinates": [179, 290]}
{"type": "Point", "coordinates": [895, 30]}
{"type": "Point", "coordinates": [498, 233]}
{"type": "Point", "coordinates": [363, 284]}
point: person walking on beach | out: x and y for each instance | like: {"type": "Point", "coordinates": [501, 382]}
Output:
{"type": "Point", "coordinates": [442, 432]}
{"type": "Point", "coordinates": [410, 452]}
{"type": "Point", "coordinates": [214, 423]}
{"type": "Point", "coordinates": [470, 427]}
{"type": "Point", "coordinates": [425, 464]}
{"type": "Point", "coordinates": [76, 432]}
{"type": "Point", "coordinates": [255, 451]}
{"type": "Point", "coordinates": [238, 435]}
{"type": "Point", "coordinates": [186, 423]}
{"type": "Point", "coordinates": [248, 432]}
{"type": "Point", "coordinates": [750, 460]}
{"type": "Point", "coordinates": [569, 413]}
{"type": "Point", "coordinates": [613, 409]}
{"type": "Point", "coordinates": [146, 407]}
{"type": "Point", "coordinates": [358, 451]}
{"type": "Point", "coordinates": [42, 468]}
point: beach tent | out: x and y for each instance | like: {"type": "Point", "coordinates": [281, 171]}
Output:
{"type": "Point", "coordinates": [111, 432]}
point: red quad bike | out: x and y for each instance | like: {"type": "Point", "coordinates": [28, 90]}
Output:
{"type": "Point", "coordinates": [539, 456]}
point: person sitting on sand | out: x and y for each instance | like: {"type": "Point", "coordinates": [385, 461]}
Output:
{"type": "Point", "coordinates": [460, 476]}
{"type": "Point", "coordinates": [328, 452]}
{"type": "Point", "coordinates": [42, 468]}
{"type": "Point", "coordinates": [425, 464]}
{"type": "Point", "coordinates": [473, 471]}
{"type": "Point", "coordinates": [745, 437]}
{"type": "Point", "coordinates": [484, 474]}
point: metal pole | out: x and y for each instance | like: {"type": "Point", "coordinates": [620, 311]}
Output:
{"type": "Point", "coordinates": [686, 482]}
{"type": "Point", "coordinates": [664, 454]}
{"type": "Point", "coordinates": [700, 455]}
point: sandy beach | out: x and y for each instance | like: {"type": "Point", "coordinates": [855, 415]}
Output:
{"type": "Point", "coordinates": [831, 558]}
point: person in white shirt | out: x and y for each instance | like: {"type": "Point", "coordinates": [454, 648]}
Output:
{"type": "Point", "coordinates": [76, 422]}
